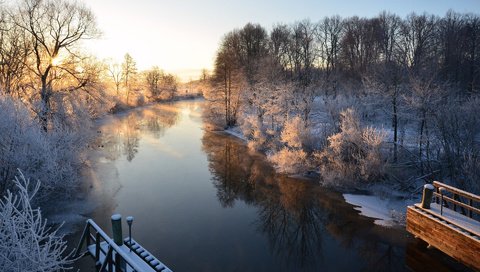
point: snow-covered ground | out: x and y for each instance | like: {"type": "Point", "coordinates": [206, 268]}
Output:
{"type": "Point", "coordinates": [236, 132]}
{"type": "Point", "coordinates": [387, 212]}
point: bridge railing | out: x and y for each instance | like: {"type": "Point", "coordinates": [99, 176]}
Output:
{"type": "Point", "coordinates": [458, 200]}
{"type": "Point", "coordinates": [114, 256]}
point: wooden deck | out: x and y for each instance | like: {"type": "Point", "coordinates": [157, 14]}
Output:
{"type": "Point", "coordinates": [450, 224]}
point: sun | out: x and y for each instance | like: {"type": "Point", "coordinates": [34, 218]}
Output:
{"type": "Point", "coordinates": [56, 61]}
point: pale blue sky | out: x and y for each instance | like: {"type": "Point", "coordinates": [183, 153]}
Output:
{"type": "Point", "coordinates": [182, 36]}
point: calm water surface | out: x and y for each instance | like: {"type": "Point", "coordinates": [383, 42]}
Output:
{"type": "Point", "coordinates": [203, 202]}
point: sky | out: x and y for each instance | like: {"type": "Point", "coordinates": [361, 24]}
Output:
{"type": "Point", "coordinates": [182, 36]}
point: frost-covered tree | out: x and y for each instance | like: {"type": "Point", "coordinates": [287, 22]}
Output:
{"type": "Point", "coordinates": [54, 28]}
{"type": "Point", "coordinates": [55, 157]}
{"type": "Point", "coordinates": [116, 75]}
{"type": "Point", "coordinates": [129, 70]}
{"type": "Point", "coordinates": [353, 154]}
{"type": "Point", "coordinates": [228, 82]}
{"type": "Point", "coordinates": [27, 243]}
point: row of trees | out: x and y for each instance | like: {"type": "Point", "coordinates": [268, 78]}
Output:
{"type": "Point", "coordinates": [41, 60]}
{"type": "Point", "coordinates": [153, 84]}
{"type": "Point", "coordinates": [418, 74]}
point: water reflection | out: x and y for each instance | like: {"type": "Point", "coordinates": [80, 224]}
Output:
{"type": "Point", "coordinates": [122, 135]}
{"type": "Point", "coordinates": [302, 221]}
{"type": "Point", "coordinates": [209, 204]}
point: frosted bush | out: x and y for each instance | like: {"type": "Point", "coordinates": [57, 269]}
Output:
{"type": "Point", "coordinates": [353, 154]}
{"type": "Point", "coordinates": [26, 242]}
{"type": "Point", "coordinates": [293, 132]}
{"type": "Point", "coordinates": [255, 132]}
{"type": "Point", "coordinates": [56, 155]}
{"type": "Point", "coordinates": [289, 161]}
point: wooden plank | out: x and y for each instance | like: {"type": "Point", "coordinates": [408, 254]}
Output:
{"type": "Point", "coordinates": [454, 218]}
{"type": "Point", "coordinates": [457, 191]}
{"type": "Point", "coordinates": [443, 236]}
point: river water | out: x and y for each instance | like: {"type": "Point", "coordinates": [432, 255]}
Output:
{"type": "Point", "coordinates": [203, 202]}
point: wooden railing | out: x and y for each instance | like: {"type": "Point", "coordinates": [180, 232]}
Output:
{"type": "Point", "coordinates": [114, 257]}
{"type": "Point", "coordinates": [457, 200]}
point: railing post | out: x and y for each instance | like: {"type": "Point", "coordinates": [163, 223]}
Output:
{"type": "Point", "coordinates": [441, 189]}
{"type": "Point", "coordinates": [455, 197]}
{"type": "Point", "coordinates": [88, 238]}
{"type": "Point", "coordinates": [427, 195]}
{"type": "Point", "coordinates": [107, 261]}
{"type": "Point", "coordinates": [97, 250]}
{"type": "Point", "coordinates": [110, 261]}
{"type": "Point", "coordinates": [118, 262]}
{"type": "Point", "coordinates": [470, 203]}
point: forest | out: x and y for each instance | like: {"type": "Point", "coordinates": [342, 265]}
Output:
{"type": "Point", "coordinates": [356, 100]}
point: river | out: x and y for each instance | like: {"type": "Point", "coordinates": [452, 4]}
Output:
{"type": "Point", "coordinates": [203, 202]}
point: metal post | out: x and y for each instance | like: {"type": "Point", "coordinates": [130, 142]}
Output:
{"type": "Point", "coordinates": [117, 229]}
{"type": "Point", "coordinates": [129, 222]}
{"type": "Point", "coordinates": [97, 250]}
{"type": "Point", "coordinates": [427, 195]}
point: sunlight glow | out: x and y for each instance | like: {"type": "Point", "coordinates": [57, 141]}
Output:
{"type": "Point", "coordinates": [56, 61]}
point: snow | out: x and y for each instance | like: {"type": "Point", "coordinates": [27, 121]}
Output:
{"type": "Point", "coordinates": [116, 217]}
{"type": "Point", "coordinates": [235, 131]}
{"type": "Point", "coordinates": [457, 218]}
{"type": "Point", "coordinates": [429, 186]}
{"type": "Point", "coordinates": [385, 211]}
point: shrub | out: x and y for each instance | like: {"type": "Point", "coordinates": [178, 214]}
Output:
{"type": "Point", "coordinates": [26, 242]}
{"type": "Point", "coordinates": [353, 154]}
{"type": "Point", "coordinates": [289, 161]}
{"type": "Point", "coordinates": [56, 154]}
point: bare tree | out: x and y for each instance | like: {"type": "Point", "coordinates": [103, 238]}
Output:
{"type": "Point", "coordinates": [304, 51]}
{"type": "Point", "coordinates": [160, 84]}
{"type": "Point", "coordinates": [129, 69]}
{"type": "Point", "coordinates": [14, 50]}
{"type": "Point", "coordinates": [205, 75]}
{"type": "Point", "coordinates": [116, 74]}
{"type": "Point", "coordinates": [329, 33]}
{"type": "Point", "coordinates": [55, 27]}
{"type": "Point", "coordinates": [417, 41]}
{"type": "Point", "coordinates": [224, 96]}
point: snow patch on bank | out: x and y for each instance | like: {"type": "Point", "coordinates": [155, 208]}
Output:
{"type": "Point", "coordinates": [236, 132]}
{"type": "Point", "coordinates": [386, 212]}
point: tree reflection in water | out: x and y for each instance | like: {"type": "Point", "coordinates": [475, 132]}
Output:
{"type": "Point", "coordinates": [297, 217]}
{"type": "Point", "coordinates": [122, 135]}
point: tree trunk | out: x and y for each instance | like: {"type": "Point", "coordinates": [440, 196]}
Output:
{"type": "Point", "coordinates": [395, 127]}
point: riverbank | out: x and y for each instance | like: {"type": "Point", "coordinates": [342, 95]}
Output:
{"type": "Point", "coordinates": [380, 201]}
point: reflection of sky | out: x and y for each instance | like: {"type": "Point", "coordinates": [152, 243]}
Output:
{"type": "Point", "coordinates": [183, 36]}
